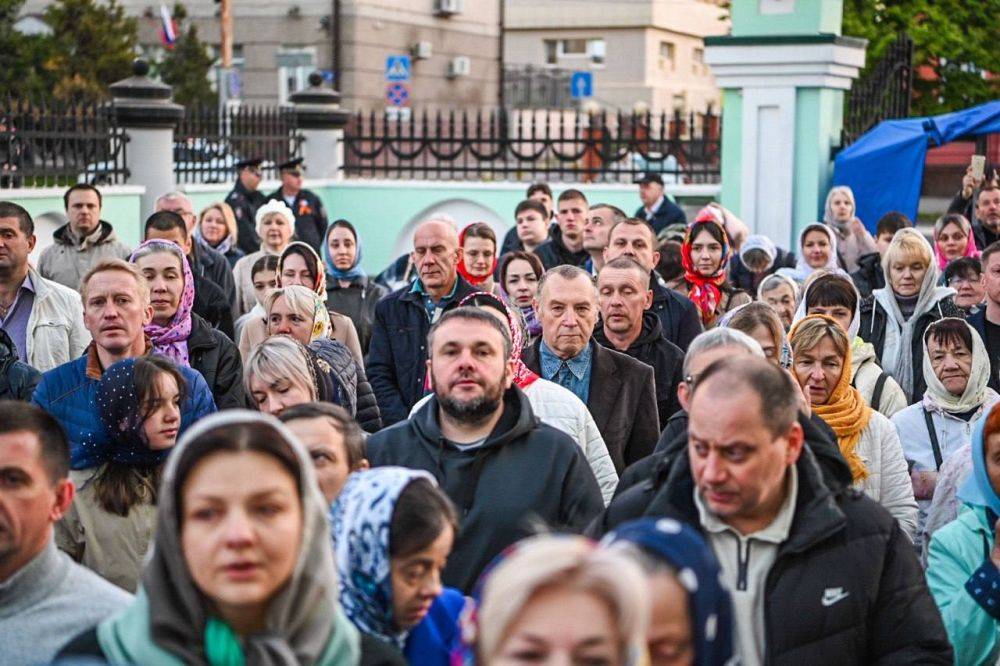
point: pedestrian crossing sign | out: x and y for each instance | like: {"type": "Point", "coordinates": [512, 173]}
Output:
{"type": "Point", "coordinates": [397, 68]}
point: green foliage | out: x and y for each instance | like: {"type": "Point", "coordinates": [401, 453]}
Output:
{"type": "Point", "coordinates": [187, 67]}
{"type": "Point", "coordinates": [955, 41]}
{"type": "Point", "coordinates": [20, 57]}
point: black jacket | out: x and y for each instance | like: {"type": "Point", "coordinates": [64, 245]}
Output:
{"type": "Point", "coordinates": [978, 322]}
{"type": "Point", "coordinates": [217, 358]}
{"type": "Point", "coordinates": [622, 400]}
{"type": "Point", "coordinates": [678, 315]}
{"type": "Point", "coordinates": [17, 379]}
{"type": "Point", "coordinates": [211, 305]}
{"type": "Point", "coordinates": [839, 540]}
{"type": "Point", "coordinates": [310, 217]}
{"type": "Point", "coordinates": [245, 204]}
{"type": "Point", "coordinates": [554, 253]}
{"type": "Point", "coordinates": [741, 277]}
{"type": "Point", "coordinates": [984, 236]}
{"type": "Point", "coordinates": [869, 275]}
{"type": "Point", "coordinates": [663, 356]}
{"type": "Point", "coordinates": [208, 263]}
{"type": "Point", "coordinates": [397, 353]}
{"type": "Point", "coordinates": [338, 366]}
{"type": "Point", "coordinates": [667, 214]}
{"type": "Point", "coordinates": [358, 302]}
{"type": "Point", "coordinates": [527, 474]}
{"type": "Point", "coordinates": [873, 323]}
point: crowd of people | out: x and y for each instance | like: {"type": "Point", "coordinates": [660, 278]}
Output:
{"type": "Point", "coordinates": [232, 445]}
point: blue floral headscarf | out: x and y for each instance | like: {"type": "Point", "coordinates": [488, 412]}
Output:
{"type": "Point", "coordinates": [360, 521]}
{"type": "Point", "coordinates": [354, 272]}
{"type": "Point", "coordinates": [977, 489]}
{"type": "Point", "coordinates": [121, 415]}
{"type": "Point", "coordinates": [698, 572]}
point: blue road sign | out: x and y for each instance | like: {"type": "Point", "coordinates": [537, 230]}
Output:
{"type": "Point", "coordinates": [581, 85]}
{"type": "Point", "coordinates": [397, 68]}
{"type": "Point", "coordinates": [397, 94]}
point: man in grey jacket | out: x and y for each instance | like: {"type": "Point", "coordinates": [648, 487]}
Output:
{"type": "Point", "coordinates": [45, 598]}
{"type": "Point", "coordinates": [83, 241]}
{"type": "Point", "coordinates": [44, 319]}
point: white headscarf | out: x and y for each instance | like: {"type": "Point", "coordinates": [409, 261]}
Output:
{"type": "Point", "coordinates": [759, 242]}
{"type": "Point", "coordinates": [802, 268]}
{"type": "Point", "coordinates": [897, 359]}
{"type": "Point", "coordinates": [938, 398]}
{"type": "Point", "coordinates": [800, 312]}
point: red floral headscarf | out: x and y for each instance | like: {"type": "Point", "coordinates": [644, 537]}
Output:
{"type": "Point", "coordinates": [704, 289]}
{"type": "Point", "coordinates": [464, 271]}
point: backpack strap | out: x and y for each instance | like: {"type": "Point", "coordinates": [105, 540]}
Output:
{"type": "Point", "coordinates": [877, 393]}
{"type": "Point", "coordinates": [934, 440]}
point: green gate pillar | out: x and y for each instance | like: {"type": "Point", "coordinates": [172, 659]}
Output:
{"type": "Point", "coordinates": [783, 72]}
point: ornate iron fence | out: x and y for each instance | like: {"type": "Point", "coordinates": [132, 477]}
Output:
{"type": "Point", "coordinates": [526, 145]}
{"type": "Point", "coordinates": [208, 143]}
{"type": "Point", "coordinates": [53, 144]}
{"type": "Point", "coordinates": [883, 92]}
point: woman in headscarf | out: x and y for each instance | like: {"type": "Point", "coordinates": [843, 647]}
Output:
{"type": "Point", "coordinates": [181, 335]}
{"type": "Point", "coordinates": [853, 238]}
{"type": "Point", "coordinates": [520, 272]}
{"type": "Point", "coordinates": [479, 256]}
{"type": "Point", "coordinates": [895, 318]}
{"type": "Point", "coordinates": [867, 439]}
{"type": "Point", "coordinates": [836, 296]}
{"type": "Point", "coordinates": [705, 255]}
{"type": "Point", "coordinates": [216, 229]}
{"type": "Point", "coordinates": [956, 369]}
{"type": "Point", "coordinates": [283, 372]}
{"type": "Point", "coordinates": [560, 599]}
{"type": "Point", "coordinates": [349, 290]}
{"type": "Point", "coordinates": [241, 570]}
{"type": "Point", "coordinates": [963, 566]}
{"type": "Point", "coordinates": [109, 526]}
{"type": "Point", "coordinates": [953, 239]}
{"type": "Point", "coordinates": [692, 614]}
{"type": "Point", "coordinates": [299, 265]}
{"type": "Point", "coordinates": [817, 252]}
{"type": "Point", "coordinates": [392, 532]}
{"type": "Point", "coordinates": [758, 257]}
{"type": "Point", "coordinates": [275, 226]}
{"type": "Point", "coordinates": [781, 293]}
{"type": "Point", "coordinates": [552, 403]}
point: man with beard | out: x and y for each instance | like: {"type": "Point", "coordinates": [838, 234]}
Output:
{"type": "Point", "coordinates": [507, 473]}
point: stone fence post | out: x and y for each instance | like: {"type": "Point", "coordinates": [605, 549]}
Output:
{"type": "Point", "coordinates": [321, 121]}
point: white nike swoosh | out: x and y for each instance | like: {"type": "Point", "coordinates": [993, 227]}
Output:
{"type": "Point", "coordinates": [831, 600]}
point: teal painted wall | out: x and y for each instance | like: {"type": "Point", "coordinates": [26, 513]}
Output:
{"type": "Point", "coordinates": [818, 119]}
{"type": "Point", "coordinates": [810, 17]}
{"type": "Point", "coordinates": [732, 148]}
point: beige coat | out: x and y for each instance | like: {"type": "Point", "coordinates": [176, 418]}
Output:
{"type": "Point", "coordinates": [243, 277]}
{"type": "Point", "coordinates": [865, 372]}
{"type": "Point", "coordinates": [254, 332]}
{"type": "Point", "coordinates": [110, 545]}
{"type": "Point", "coordinates": [888, 481]}
{"type": "Point", "coordinates": [68, 259]}
{"type": "Point", "coordinates": [55, 333]}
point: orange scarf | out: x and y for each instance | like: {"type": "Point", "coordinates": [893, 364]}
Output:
{"type": "Point", "coordinates": [847, 414]}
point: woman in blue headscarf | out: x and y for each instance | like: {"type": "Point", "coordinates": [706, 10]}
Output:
{"type": "Point", "coordinates": [392, 530]}
{"type": "Point", "coordinates": [110, 524]}
{"type": "Point", "coordinates": [692, 618]}
{"type": "Point", "coordinates": [348, 289]}
{"type": "Point", "coordinates": [963, 564]}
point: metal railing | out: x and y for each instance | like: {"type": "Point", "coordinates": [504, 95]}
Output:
{"type": "Point", "coordinates": [884, 92]}
{"type": "Point", "coordinates": [525, 145]}
{"type": "Point", "coordinates": [208, 143]}
{"type": "Point", "coordinates": [527, 87]}
{"type": "Point", "coordinates": [54, 144]}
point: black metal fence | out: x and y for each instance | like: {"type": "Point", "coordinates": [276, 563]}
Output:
{"type": "Point", "coordinates": [884, 92]}
{"type": "Point", "coordinates": [525, 145]}
{"type": "Point", "coordinates": [208, 142]}
{"type": "Point", "coordinates": [52, 144]}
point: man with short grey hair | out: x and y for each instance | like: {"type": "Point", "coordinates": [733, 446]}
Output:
{"type": "Point", "coordinates": [618, 390]}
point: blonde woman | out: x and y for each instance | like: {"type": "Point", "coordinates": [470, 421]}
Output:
{"type": "Point", "coordinates": [216, 229]}
{"type": "Point", "coordinates": [275, 226]}
{"type": "Point", "coordinates": [867, 439]}
{"type": "Point", "coordinates": [523, 599]}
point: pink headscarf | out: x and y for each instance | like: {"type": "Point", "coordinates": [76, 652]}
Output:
{"type": "Point", "coordinates": [171, 340]}
{"type": "Point", "coordinates": [970, 244]}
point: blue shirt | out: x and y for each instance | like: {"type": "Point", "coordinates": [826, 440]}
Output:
{"type": "Point", "coordinates": [433, 309]}
{"type": "Point", "coordinates": [16, 321]}
{"type": "Point", "coordinates": [573, 374]}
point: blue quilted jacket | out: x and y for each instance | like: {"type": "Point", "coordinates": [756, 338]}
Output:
{"type": "Point", "coordinates": [70, 396]}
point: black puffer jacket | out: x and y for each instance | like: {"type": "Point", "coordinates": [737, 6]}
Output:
{"type": "Point", "coordinates": [869, 275]}
{"type": "Point", "coordinates": [17, 379]}
{"type": "Point", "coordinates": [841, 542]}
{"type": "Point", "coordinates": [678, 315]}
{"type": "Point", "coordinates": [357, 301]}
{"type": "Point", "coordinates": [359, 399]}
{"type": "Point", "coordinates": [554, 252]}
{"type": "Point", "coordinates": [873, 323]}
{"type": "Point", "coordinates": [218, 360]}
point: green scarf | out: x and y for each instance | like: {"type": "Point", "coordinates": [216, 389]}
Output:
{"type": "Point", "coordinates": [222, 645]}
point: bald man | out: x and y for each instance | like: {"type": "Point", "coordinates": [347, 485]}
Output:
{"type": "Point", "coordinates": [398, 353]}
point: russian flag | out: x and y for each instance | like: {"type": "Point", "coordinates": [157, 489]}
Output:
{"type": "Point", "coordinates": [168, 29]}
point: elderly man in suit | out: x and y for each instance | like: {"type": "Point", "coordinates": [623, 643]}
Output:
{"type": "Point", "coordinates": [618, 390]}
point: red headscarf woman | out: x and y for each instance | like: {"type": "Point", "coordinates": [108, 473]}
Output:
{"type": "Point", "coordinates": [479, 255]}
{"type": "Point", "coordinates": [705, 255]}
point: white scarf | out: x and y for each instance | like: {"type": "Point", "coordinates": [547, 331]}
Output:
{"type": "Point", "coordinates": [802, 269]}
{"type": "Point", "coordinates": [938, 398]}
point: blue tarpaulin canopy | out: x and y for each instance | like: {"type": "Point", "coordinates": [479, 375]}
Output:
{"type": "Point", "coordinates": [885, 167]}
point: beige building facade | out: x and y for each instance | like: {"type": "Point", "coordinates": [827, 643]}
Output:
{"type": "Point", "coordinates": [643, 54]}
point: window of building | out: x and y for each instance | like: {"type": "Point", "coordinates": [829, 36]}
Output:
{"type": "Point", "coordinates": [698, 58]}
{"type": "Point", "coordinates": [551, 52]}
{"type": "Point", "coordinates": [666, 55]}
{"type": "Point", "coordinates": [592, 49]}
{"type": "Point", "coordinates": [679, 102]}
{"type": "Point", "coordinates": [573, 47]}
{"type": "Point", "coordinates": [595, 48]}
{"type": "Point", "coordinates": [295, 64]}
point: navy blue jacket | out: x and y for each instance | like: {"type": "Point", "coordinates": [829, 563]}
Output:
{"type": "Point", "coordinates": [17, 379]}
{"type": "Point", "coordinates": [677, 314]}
{"type": "Point", "coordinates": [668, 213]}
{"type": "Point", "coordinates": [397, 355]}
{"type": "Point", "coordinates": [978, 322]}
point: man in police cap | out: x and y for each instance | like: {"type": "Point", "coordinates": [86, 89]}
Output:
{"type": "Point", "coordinates": [656, 208]}
{"type": "Point", "coordinates": [310, 217]}
{"type": "Point", "coordinates": [244, 199]}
